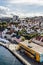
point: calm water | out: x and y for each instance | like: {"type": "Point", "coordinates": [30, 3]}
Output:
{"type": "Point", "coordinates": [6, 58]}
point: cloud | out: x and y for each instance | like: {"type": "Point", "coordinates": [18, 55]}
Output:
{"type": "Point", "coordinates": [4, 11]}
{"type": "Point", "coordinates": [38, 2]}
{"type": "Point", "coordinates": [30, 14]}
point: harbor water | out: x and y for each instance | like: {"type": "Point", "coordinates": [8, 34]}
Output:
{"type": "Point", "coordinates": [6, 58]}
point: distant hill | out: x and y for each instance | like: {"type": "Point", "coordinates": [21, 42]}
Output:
{"type": "Point", "coordinates": [7, 19]}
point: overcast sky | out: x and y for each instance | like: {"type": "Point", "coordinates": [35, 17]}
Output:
{"type": "Point", "coordinates": [21, 7]}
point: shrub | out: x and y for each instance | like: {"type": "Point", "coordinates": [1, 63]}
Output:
{"type": "Point", "coordinates": [22, 38]}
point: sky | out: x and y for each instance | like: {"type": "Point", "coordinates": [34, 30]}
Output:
{"type": "Point", "coordinates": [22, 8]}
